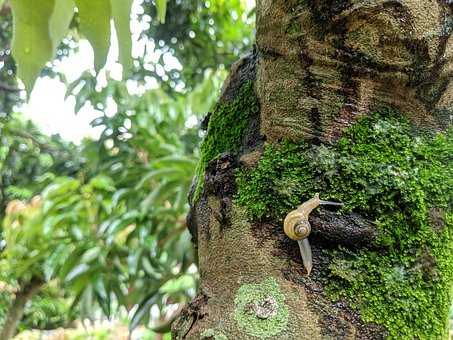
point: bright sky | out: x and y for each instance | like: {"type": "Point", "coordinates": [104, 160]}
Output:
{"type": "Point", "coordinates": [54, 114]}
{"type": "Point", "coordinates": [49, 109]}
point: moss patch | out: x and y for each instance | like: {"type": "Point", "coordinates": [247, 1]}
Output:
{"type": "Point", "coordinates": [226, 128]}
{"type": "Point", "coordinates": [396, 177]}
{"type": "Point", "coordinates": [260, 309]}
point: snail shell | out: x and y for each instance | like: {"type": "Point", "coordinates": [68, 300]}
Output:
{"type": "Point", "coordinates": [296, 226]}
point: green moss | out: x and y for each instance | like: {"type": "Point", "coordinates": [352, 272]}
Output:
{"type": "Point", "coordinates": [212, 334]}
{"type": "Point", "coordinates": [260, 309]}
{"type": "Point", "coordinates": [226, 128]}
{"type": "Point", "coordinates": [398, 178]}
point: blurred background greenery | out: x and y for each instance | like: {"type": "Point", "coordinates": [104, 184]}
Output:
{"type": "Point", "coordinates": [93, 235]}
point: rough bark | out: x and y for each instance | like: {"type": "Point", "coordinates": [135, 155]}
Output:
{"type": "Point", "coordinates": [17, 308]}
{"type": "Point", "coordinates": [319, 66]}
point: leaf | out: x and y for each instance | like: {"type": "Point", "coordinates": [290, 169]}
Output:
{"type": "Point", "coordinates": [121, 10]}
{"type": "Point", "coordinates": [60, 20]}
{"type": "Point", "coordinates": [95, 26]}
{"type": "Point", "coordinates": [161, 6]}
{"type": "Point", "coordinates": [143, 309]}
{"type": "Point", "coordinates": [77, 271]}
{"type": "Point", "coordinates": [90, 255]}
{"type": "Point", "coordinates": [31, 46]}
{"type": "Point", "coordinates": [102, 183]}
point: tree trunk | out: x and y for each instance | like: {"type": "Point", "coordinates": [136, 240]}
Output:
{"type": "Point", "coordinates": [17, 308]}
{"type": "Point", "coordinates": [352, 100]}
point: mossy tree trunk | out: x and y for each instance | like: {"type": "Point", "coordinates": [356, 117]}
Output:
{"type": "Point", "coordinates": [352, 100]}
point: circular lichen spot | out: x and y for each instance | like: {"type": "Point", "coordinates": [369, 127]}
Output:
{"type": "Point", "coordinates": [260, 309]}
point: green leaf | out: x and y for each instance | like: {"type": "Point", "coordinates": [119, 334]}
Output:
{"type": "Point", "coordinates": [143, 310]}
{"type": "Point", "coordinates": [161, 6]}
{"type": "Point", "coordinates": [90, 255]}
{"type": "Point", "coordinates": [31, 46]}
{"type": "Point", "coordinates": [95, 26]}
{"type": "Point", "coordinates": [77, 271]}
{"type": "Point", "coordinates": [121, 10]}
{"type": "Point", "coordinates": [60, 20]}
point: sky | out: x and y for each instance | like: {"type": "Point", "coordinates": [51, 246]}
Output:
{"type": "Point", "coordinates": [54, 114]}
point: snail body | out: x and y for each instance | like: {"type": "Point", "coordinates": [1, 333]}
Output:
{"type": "Point", "coordinates": [297, 227]}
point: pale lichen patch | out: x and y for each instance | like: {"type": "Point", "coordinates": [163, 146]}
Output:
{"type": "Point", "coordinates": [260, 309]}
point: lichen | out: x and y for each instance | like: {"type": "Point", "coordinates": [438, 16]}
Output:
{"type": "Point", "coordinates": [226, 128]}
{"type": "Point", "coordinates": [212, 334]}
{"type": "Point", "coordinates": [260, 309]}
{"type": "Point", "coordinates": [395, 176]}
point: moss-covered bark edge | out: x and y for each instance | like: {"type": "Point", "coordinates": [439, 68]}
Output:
{"type": "Point", "coordinates": [226, 128]}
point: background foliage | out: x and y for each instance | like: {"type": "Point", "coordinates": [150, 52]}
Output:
{"type": "Point", "coordinates": [103, 223]}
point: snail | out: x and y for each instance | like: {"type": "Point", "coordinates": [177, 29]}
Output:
{"type": "Point", "coordinates": [297, 227]}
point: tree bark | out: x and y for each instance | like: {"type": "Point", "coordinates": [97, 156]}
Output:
{"type": "Point", "coordinates": [16, 311]}
{"type": "Point", "coordinates": [319, 68]}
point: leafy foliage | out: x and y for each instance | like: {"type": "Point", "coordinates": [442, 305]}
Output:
{"type": "Point", "coordinates": [29, 159]}
{"type": "Point", "coordinates": [201, 35]}
{"type": "Point", "coordinates": [114, 234]}
{"type": "Point", "coordinates": [39, 29]}
{"type": "Point", "coordinates": [9, 95]}
{"type": "Point", "coordinates": [109, 216]}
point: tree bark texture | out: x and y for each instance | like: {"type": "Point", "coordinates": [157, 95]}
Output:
{"type": "Point", "coordinates": [320, 68]}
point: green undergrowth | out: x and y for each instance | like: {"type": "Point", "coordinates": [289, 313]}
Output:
{"type": "Point", "coordinates": [226, 128]}
{"type": "Point", "coordinates": [398, 177]}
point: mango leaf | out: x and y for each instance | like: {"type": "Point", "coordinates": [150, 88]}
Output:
{"type": "Point", "coordinates": [95, 26]}
{"type": "Point", "coordinates": [161, 7]}
{"type": "Point", "coordinates": [143, 310]}
{"type": "Point", "coordinates": [77, 271]}
{"type": "Point", "coordinates": [121, 10]}
{"type": "Point", "coordinates": [31, 46]}
{"type": "Point", "coordinates": [60, 20]}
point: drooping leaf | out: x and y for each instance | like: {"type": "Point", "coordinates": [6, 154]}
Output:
{"type": "Point", "coordinates": [161, 6]}
{"type": "Point", "coordinates": [60, 20]}
{"type": "Point", "coordinates": [95, 26]}
{"type": "Point", "coordinates": [121, 10]}
{"type": "Point", "coordinates": [31, 46]}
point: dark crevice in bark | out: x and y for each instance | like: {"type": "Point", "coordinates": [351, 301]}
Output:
{"type": "Point", "coordinates": [241, 72]}
{"type": "Point", "coordinates": [194, 311]}
{"type": "Point", "coordinates": [351, 230]}
{"type": "Point", "coordinates": [220, 182]}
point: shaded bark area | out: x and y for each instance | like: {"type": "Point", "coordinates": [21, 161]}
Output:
{"type": "Point", "coordinates": [318, 66]}
{"type": "Point", "coordinates": [17, 308]}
